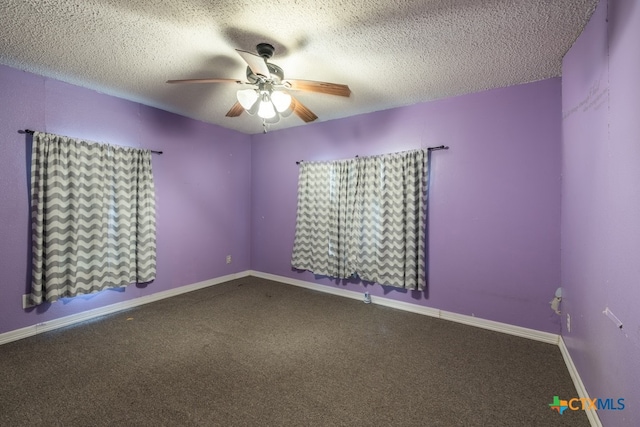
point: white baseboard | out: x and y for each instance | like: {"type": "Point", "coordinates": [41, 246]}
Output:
{"type": "Point", "coordinates": [414, 308]}
{"type": "Point", "coordinates": [113, 308]}
{"type": "Point", "coordinates": [506, 328]}
{"type": "Point", "coordinates": [400, 305]}
{"type": "Point", "coordinates": [592, 415]}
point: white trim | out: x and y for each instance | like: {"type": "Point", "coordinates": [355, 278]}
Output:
{"type": "Point", "coordinates": [113, 308]}
{"type": "Point", "coordinates": [533, 334]}
{"type": "Point", "coordinates": [506, 328]}
{"type": "Point", "coordinates": [400, 305]}
{"type": "Point", "coordinates": [308, 285]}
{"type": "Point", "coordinates": [592, 415]}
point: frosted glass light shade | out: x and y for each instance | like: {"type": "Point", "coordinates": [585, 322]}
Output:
{"type": "Point", "coordinates": [281, 100]}
{"type": "Point", "coordinates": [266, 110]}
{"type": "Point", "coordinates": [247, 97]}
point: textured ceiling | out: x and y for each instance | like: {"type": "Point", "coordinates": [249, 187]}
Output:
{"type": "Point", "coordinates": [390, 53]}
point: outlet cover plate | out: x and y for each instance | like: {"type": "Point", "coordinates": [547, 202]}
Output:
{"type": "Point", "coordinates": [26, 301]}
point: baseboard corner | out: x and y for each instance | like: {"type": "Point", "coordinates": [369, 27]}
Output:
{"type": "Point", "coordinates": [592, 415]}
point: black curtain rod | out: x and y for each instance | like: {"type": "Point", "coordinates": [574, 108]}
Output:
{"type": "Point", "coordinates": [440, 147]}
{"type": "Point", "coordinates": [30, 132]}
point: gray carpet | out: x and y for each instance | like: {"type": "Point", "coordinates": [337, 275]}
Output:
{"type": "Point", "coordinates": [252, 352]}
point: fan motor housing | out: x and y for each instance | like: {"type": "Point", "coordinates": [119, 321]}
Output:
{"type": "Point", "coordinates": [277, 75]}
{"type": "Point", "coordinates": [265, 50]}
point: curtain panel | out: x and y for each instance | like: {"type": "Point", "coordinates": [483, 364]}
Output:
{"type": "Point", "coordinates": [324, 199]}
{"type": "Point", "coordinates": [364, 217]}
{"type": "Point", "coordinates": [93, 217]}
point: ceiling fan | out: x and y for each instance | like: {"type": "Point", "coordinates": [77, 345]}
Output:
{"type": "Point", "coordinates": [268, 94]}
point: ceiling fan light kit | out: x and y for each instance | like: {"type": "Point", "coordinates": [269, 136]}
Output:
{"type": "Point", "coordinates": [267, 102]}
{"type": "Point", "coordinates": [282, 102]}
{"type": "Point", "coordinates": [270, 98]}
{"type": "Point", "coordinates": [266, 110]}
{"type": "Point", "coordinates": [247, 98]}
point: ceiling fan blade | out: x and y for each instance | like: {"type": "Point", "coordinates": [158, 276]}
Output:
{"type": "Point", "coordinates": [207, 81]}
{"type": "Point", "coordinates": [301, 111]}
{"type": "Point", "coordinates": [235, 110]}
{"type": "Point", "coordinates": [320, 87]}
{"type": "Point", "coordinates": [256, 62]}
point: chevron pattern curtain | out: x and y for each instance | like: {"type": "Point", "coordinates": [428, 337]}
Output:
{"type": "Point", "coordinates": [324, 199]}
{"type": "Point", "coordinates": [93, 217]}
{"type": "Point", "coordinates": [364, 218]}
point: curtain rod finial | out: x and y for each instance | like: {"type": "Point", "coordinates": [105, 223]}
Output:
{"type": "Point", "coordinates": [440, 147]}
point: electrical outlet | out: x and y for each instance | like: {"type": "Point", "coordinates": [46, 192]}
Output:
{"type": "Point", "coordinates": [26, 301]}
{"type": "Point", "coordinates": [228, 259]}
{"type": "Point", "coordinates": [568, 322]}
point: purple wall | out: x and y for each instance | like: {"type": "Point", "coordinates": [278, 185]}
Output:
{"type": "Point", "coordinates": [494, 205]}
{"type": "Point", "coordinates": [600, 224]}
{"type": "Point", "coordinates": [202, 188]}
{"type": "Point", "coordinates": [498, 243]}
